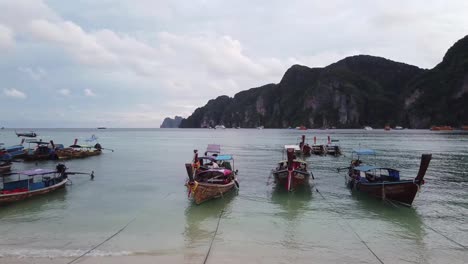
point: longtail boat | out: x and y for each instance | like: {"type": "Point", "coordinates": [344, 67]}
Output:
{"type": "Point", "coordinates": [383, 182]}
{"type": "Point", "coordinates": [332, 147]}
{"type": "Point", "coordinates": [25, 184]}
{"type": "Point", "coordinates": [204, 184]}
{"type": "Point", "coordinates": [15, 151]}
{"type": "Point", "coordinates": [31, 134]}
{"type": "Point", "coordinates": [42, 151]}
{"type": "Point", "coordinates": [5, 166]}
{"type": "Point", "coordinates": [441, 128]}
{"type": "Point", "coordinates": [291, 173]}
{"type": "Point", "coordinates": [305, 149]}
{"type": "Point", "coordinates": [78, 151]}
{"type": "Point", "coordinates": [318, 149]}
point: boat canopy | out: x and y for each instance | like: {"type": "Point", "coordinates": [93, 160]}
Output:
{"type": "Point", "coordinates": [225, 172]}
{"type": "Point", "coordinates": [295, 147]}
{"type": "Point", "coordinates": [224, 157]}
{"type": "Point", "coordinates": [38, 142]}
{"type": "Point", "coordinates": [366, 168]}
{"type": "Point", "coordinates": [214, 148]}
{"type": "Point", "coordinates": [363, 152]}
{"type": "Point", "coordinates": [37, 172]}
{"type": "Point", "coordinates": [211, 158]}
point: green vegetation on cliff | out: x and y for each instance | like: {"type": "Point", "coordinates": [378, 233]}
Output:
{"type": "Point", "coordinates": [356, 91]}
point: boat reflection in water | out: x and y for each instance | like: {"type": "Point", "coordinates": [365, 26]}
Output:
{"type": "Point", "coordinates": [294, 206]}
{"type": "Point", "coordinates": [200, 224]}
{"type": "Point", "coordinates": [390, 226]}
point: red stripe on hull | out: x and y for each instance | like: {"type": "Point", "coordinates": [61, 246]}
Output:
{"type": "Point", "coordinates": [10, 198]}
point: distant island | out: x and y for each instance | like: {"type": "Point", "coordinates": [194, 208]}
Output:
{"type": "Point", "coordinates": [351, 93]}
{"type": "Point", "coordinates": [171, 122]}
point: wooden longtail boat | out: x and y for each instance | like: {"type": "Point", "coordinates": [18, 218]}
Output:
{"type": "Point", "coordinates": [441, 128]}
{"type": "Point", "coordinates": [291, 173]}
{"type": "Point", "coordinates": [42, 151]}
{"type": "Point", "coordinates": [31, 134]}
{"type": "Point", "coordinates": [78, 151]}
{"type": "Point", "coordinates": [206, 183]}
{"type": "Point", "coordinates": [333, 148]}
{"type": "Point", "coordinates": [318, 149]}
{"type": "Point", "coordinates": [305, 149]}
{"type": "Point", "coordinates": [14, 152]}
{"type": "Point", "coordinates": [34, 182]}
{"type": "Point", "coordinates": [385, 183]}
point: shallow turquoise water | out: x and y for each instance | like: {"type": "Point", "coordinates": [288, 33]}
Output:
{"type": "Point", "coordinates": [144, 180]}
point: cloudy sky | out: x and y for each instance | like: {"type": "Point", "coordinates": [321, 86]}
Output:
{"type": "Point", "coordinates": [131, 63]}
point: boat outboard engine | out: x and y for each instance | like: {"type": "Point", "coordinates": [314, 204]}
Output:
{"type": "Point", "coordinates": [98, 146]}
{"type": "Point", "coordinates": [61, 168]}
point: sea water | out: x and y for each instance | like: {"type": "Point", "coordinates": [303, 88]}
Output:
{"type": "Point", "coordinates": [141, 184]}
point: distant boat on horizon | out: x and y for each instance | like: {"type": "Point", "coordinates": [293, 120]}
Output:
{"type": "Point", "coordinates": [368, 128]}
{"type": "Point", "coordinates": [220, 127]}
{"type": "Point", "coordinates": [102, 128]}
{"type": "Point", "coordinates": [398, 128]}
{"type": "Point", "coordinates": [260, 127]}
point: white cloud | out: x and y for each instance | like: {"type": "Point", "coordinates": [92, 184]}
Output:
{"type": "Point", "coordinates": [14, 93]}
{"type": "Point", "coordinates": [89, 92]}
{"type": "Point", "coordinates": [33, 73]}
{"type": "Point", "coordinates": [6, 37]}
{"type": "Point", "coordinates": [65, 92]}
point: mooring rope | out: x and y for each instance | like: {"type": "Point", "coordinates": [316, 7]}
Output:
{"type": "Point", "coordinates": [446, 237]}
{"type": "Point", "coordinates": [352, 229]}
{"type": "Point", "coordinates": [434, 230]}
{"type": "Point", "coordinates": [98, 245]}
{"type": "Point", "coordinates": [214, 236]}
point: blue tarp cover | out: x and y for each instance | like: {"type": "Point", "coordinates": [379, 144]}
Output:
{"type": "Point", "coordinates": [364, 151]}
{"type": "Point", "coordinates": [224, 157]}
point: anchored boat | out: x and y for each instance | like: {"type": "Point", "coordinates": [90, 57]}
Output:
{"type": "Point", "coordinates": [212, 179]}
{"type": "Point", "coordinates": [42, 151]}
{"type": "Point", "coordinates": [78, 151]}
{"type": "Point", "coordinates": [318, 149]}
{"type": "Point", "coordinates": [305, 149]}
{"type": "Point", "coordinates": [332, 147]}
{"type": "Point", "coordinates": [383, 182]}
{"type": "Point", "coordinates": [31, 134]}
{"type": "Point", "coordinates": [25, 184]}
{"type": "Point", "coordinates": [292, 173]}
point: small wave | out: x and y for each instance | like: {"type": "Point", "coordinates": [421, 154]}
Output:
{"type": "Point", "coordinates": [56, 253]}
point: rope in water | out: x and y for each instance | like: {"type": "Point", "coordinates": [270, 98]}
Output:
{"type": "Point", "coordinates": [98, 245]}
{"type": "Point", "coordinates": [213, 238]}
{"type": "Point", "coordinates": [446, 237]}
{"type": "Point", "coordinates": [352, 229]}
{"type": "Point", "coordinates": [434, 230]}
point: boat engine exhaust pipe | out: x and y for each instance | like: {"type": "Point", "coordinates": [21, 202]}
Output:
{"type": "Point", "coordinates": [425, 159]}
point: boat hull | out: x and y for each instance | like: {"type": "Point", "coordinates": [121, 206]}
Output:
{"type": "Point", "coordinates": [15, 197]}
{"type": "Point", "coordinates": [318, 150]}
{"type": "Point", "coordinates": [207, 191]}
{"type": "Point", "coordinates": [72, 154]}
{"type": "Point", "coordinates": [403, 191]}
{"type": "Point", "coordinates": [298, 180]}
{"type": "Point", "coordinates": [5, 168]}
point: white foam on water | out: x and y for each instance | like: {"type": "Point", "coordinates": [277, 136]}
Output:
{"type": "Point", "coordinates": [55, 253]}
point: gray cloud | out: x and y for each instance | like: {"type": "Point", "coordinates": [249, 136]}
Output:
{"type": "Point", "coordinates": [150, 59]}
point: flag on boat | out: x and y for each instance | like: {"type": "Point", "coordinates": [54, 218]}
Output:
{"type": "Point", "coordinates": [92, 138]}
